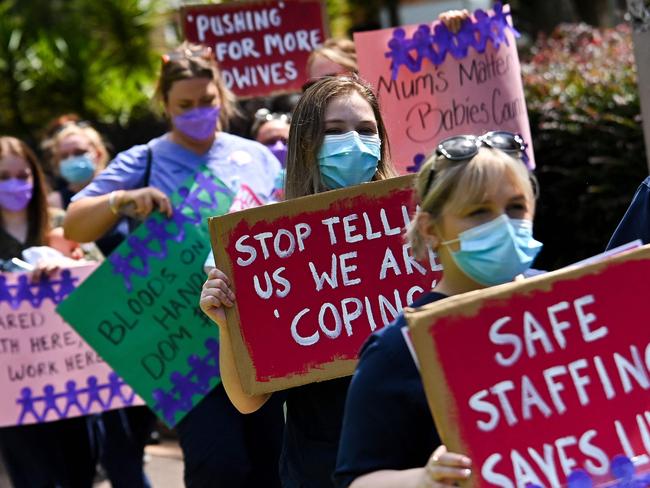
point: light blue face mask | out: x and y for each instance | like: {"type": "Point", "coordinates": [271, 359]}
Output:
{"type": "Point", "coordinates": [348, 159]}
{"type": "Point", "coordinates": [78, 169]}
{"type": "Point", "coordinates": [497, 251]}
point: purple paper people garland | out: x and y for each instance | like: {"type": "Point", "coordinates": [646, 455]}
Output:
{"type": "Point", "coordinates": [179, 398]}
{"type": "Point", "coordinates": [434, 46]}
{"type": "Point", "coordinates": [82, 398]}
{"type": "Point", "coordinates": [35, 293]}
{"type": "Point", "coordinates": [191, 209]}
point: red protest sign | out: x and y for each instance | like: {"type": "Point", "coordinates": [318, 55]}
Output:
{"type": "Point", "coordinates": [262, 47]}
{"type": "Point", "coordinates": [434, 84]}
{"type": "Point", "coordinates": [314, 277]}
{"type": "Point", "coordinates": [539, 378]}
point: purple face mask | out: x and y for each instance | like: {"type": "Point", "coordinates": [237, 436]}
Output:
{"type": "Point", "coordinates": [199, 123]}
{"type": "Point", "coordinates": [279, 150]}
{"type": "Point", "coordinates": [15, 194]}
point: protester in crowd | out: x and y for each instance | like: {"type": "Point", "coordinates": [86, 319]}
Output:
{"type": "Point", "coordinates": [635, 224]}
{"type": "Point", "coordinates": [272, 130]}
{"type": "Point", "coordinates": [477, 203]}
{"type": "Point", "coordinates": [50, 130]}
{"type": "Point", "coordinates": [77, 154]}
{"type": "Point", "coordinates": [337, 139]}
{"type": "Point", "coordinates": [332, 144]}
{"type": "Point", "coordinates": [61, 453]}
{"type": "Point", "coordinates": [220, 446]}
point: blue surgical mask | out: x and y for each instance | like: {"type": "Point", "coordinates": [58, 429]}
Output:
{"type": "Point", "coordinates": [348, 159]}
{"type": "Point", "coordinates": [497, 251]}
{"type": "Point", "coordinates": [78, 169]}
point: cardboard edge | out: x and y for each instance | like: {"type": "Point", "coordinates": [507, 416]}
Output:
{"type": "Point", "coordinates": [436, 386]}
{"type": "Point", "coordinates": [331, 371]}
{"type": "Point", "coordinates": [296, 206]}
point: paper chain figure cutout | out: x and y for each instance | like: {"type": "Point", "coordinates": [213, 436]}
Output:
{"type": "Point", "coordinates": [79, 398]}
{"type": "Point", "coordinates": [621, 468]}
{"type": "Point", "coordinates": [36, 293]}
{"type": "Point", "coordinates": [435, 45]}
{"type": "Point", "coordinates": [195, 382]}
{"type": "Point", "coordinates": [190, 211]}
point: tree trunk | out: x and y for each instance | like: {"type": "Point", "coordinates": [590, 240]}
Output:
{"type": "Point", "coordinates": [639, 11]}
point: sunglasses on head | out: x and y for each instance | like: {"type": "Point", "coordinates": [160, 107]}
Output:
{"type": "Point", "coordinates": [457, 148]}
{"type": "Point", "coordinates": [187, 53]}
{"type": "Point", "coordinates": [265, 115]}
{"type": "Point", "coordinates": [465, 147]}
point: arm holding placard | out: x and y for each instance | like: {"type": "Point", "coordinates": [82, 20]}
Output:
{"type": "Point", "coordinates": [215, 295]}
{"type": "Point", "coordinates": [89, 218]}
{"type": "Point", "coordinates": [122, 189]}
{"type": "Point", "coordinates": [387, 428]}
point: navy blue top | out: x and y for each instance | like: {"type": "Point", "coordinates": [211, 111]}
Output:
{"type": "Point", "coordinates": [636, 221]}
{"type": "Point", "coordinates": [311, 434]}
{"type": "Point", "coordinates": [387, 422]}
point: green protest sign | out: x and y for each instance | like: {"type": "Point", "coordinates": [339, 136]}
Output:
{"type": "Point", "coordinates": [139, 310]}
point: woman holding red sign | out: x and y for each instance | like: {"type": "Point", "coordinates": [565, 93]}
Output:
{"type": "Point", "coordinates": [477, 202]}
{"type": "Point", "coordinates": [337, 139]}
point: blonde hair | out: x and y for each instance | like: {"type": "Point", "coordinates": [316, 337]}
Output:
{"type": "Point", "coordinates": [448, 185]}
{"type": "Point", "coordinates": [308, 130]}
{"type": "Point", "coordinates": [73, 129]}
{"type": "Point", "coordinates": [189, 61]}
{"type": "Point", "coordinates": [338, 50]}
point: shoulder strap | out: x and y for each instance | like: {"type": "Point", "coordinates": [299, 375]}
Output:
{"type": "Point", "coordinates": [147, 170]}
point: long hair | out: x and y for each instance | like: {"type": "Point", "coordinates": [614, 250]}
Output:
{"type": "Point", "coordinates": [194, 61]}
{"type": "Point", "coordinates": [37, 215]}
{"type": "Point", "coordinates": [307, 132]}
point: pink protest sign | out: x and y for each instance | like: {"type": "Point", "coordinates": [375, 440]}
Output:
{"type": "Point", "coordinates": [47, 371]}
{"type": "Point", "coordinates": [434, 84]}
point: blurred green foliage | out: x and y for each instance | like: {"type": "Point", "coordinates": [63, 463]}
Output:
{"type": "Point", "coordinates": [85, 56]}
{"type": "Point", "coordinates": [583, 104]}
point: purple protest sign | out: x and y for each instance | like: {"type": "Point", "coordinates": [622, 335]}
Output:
{"type": "Point", "coordinates": [47, 371]}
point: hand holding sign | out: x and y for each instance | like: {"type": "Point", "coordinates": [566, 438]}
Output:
{"type": "Point", "coordinates": [215, 295]}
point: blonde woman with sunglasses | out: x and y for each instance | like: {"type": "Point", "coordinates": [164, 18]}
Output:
{"type": "Point", "coordinates": [476, 207]}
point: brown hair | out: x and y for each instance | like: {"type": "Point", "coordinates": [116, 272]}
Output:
{"type": "Point", "coordinates": [194, 61]}
{"type": "Point", "coordinates": [338, 50]}
{"type": "Point", "coordinates": [83, 130]}
{"type": "Point", "coordinates": [443, 184]}
{"type": "Point", "coordinates": [307, 132]}
{"type": "Point", "coordinates": [37, 215]}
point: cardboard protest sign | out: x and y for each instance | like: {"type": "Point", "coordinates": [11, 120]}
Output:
{"type": "Point", "coordinates": [536, 379]}
{"type": "Point", "coordinates": [261, 47]}
{"type": "Point", "coordinates": [48, 372]}
{"type": "Point", "coordinates": [140, 309]}
{"type": "Point", "coordinates": [434, 84]}
{"type": "Point", "coordinates": [314, 277]}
